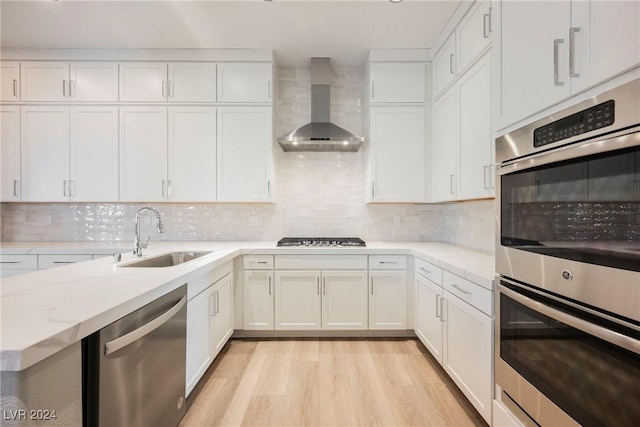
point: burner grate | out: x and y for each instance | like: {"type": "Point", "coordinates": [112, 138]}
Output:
{"type": "Point", "coordinates": [321, 241]}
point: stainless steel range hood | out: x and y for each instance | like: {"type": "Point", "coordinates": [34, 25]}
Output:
{"type": "Point", "coordinates": [320, 134]}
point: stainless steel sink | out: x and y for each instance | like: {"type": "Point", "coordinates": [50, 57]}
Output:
{"type": "Point", "coordinates": [168, 260]}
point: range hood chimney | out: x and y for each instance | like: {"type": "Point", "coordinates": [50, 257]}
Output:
{"type": "Point", "coordinates": [320, 134]}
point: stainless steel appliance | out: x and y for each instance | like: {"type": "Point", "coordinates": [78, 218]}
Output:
{"type": "Point", "coordinates": [321, 241]}
{"type": "Point", "coordinates": [134, 369]}
{"type": "Point", "coordinates": [568, 264]}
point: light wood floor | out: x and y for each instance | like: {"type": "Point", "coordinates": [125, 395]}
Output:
{"type": "Point", "coordinates": [327, 383]}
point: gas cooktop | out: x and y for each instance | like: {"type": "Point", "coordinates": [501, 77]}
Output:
{"type": "Point", "coordinates": [321, 241]}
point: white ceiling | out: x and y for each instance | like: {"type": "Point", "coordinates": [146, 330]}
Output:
{"type": "Point", "coordinates": [295, 29]}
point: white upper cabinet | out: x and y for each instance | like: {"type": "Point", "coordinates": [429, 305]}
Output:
{"type": "Point", "coordinates": [9, 81]}
{"type": "Point", "coordinates": [45, 153]}
{"type": "Point", "coordinates": [475, 170]}
{"type": "Point", "coordinates": [192, 82]}
{"type": "Point", "coordinates": [445, 145]}
{"type": "Point", "coordinates": [192, 154]}
{"type": "Point", "coordinates": [45, 81]}
{"type": "Point", "coordinates": [143, 81]}
{"type": "Point", "coordinates": [93, 171]}
{"type": "Point", "coordinates": [444, 65]}
{"type": "Point", "coordinates": [581, 44]}
{"type": "Point", "coordinates": [245, 82]}
{"type": "Point", "coordinates": [398, 155]}
{"type": "Point", "coordinates": [245, 154]}
{"type": "Point", "coordinates": [10, 153]}
{"type": "Point", "coordinates": [398, 82]}
{"type": "Point", "coordinates": [473, 33]}
{"type": "Point", "coordinates": [143, 153]}
{"type": "Point", "coordinates": [606, 38]}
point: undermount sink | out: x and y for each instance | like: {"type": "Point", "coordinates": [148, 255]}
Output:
{"type": "Point", "coordinates": [168, 260]}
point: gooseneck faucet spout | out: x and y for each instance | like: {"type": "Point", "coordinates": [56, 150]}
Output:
{"type": "Point", "coordinates": [138, 245]}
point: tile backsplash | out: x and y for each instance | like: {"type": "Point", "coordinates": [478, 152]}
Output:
{"type": "Point", "coordinates": [318, 194]}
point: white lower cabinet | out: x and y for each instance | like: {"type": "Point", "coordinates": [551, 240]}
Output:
{"type": "Point", "coordinates": [209, 326]}
{"type": "Point", "coordinates": [387, 299]}
{"type": "Point", "coordinates": [13, 265]}
{"type": "Point", "coordinates": [314, 299]}
{"type": "Point", "coordinates": [428, 317]}
{"type": "Point", "coordinates": [258, 303]}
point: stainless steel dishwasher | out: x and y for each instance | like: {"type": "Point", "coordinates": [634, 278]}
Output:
{"type": "Point", "coordinates": [134, 368]}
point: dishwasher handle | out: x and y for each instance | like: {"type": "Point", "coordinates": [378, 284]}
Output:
{"type": "Point", "coordinates": [147, 328]}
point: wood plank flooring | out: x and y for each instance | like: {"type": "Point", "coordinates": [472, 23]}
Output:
{"type": "Point", "coordinates": [327, 382]}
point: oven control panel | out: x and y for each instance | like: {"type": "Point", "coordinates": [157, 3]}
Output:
{"type": "Point", "coordinates": [599, 116]}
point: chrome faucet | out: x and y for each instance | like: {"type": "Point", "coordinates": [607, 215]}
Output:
{"type": "Point", "coordinates": [138, 246]}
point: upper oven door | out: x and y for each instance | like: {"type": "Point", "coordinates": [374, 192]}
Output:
{"type": "Point", "coordinates": [569, 222]}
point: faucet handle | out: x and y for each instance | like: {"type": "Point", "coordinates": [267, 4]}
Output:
{"type": "Point", "coordinates": [144, 244]}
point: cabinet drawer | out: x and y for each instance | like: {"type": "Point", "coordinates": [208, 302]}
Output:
{"type": "Point", "coordinates": [19, 262]}
{"type": "Point", "coordinates": [51, 261]}
{"type": "Point", "coordinates": [387, 262]}
{"type": "Point", "coordinates": [258, 262]}
{"type": "Point", "coordinates": [428, 270]}
{"type": "Point", "coordinates": [321, 262]}
{"type": "Point", "coordinates": [479, 297]}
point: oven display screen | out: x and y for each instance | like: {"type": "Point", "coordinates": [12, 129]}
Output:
{"type": "Point", "coordinates": [593, 381]}
{"type": "Point", "coordinates": [586, 210]}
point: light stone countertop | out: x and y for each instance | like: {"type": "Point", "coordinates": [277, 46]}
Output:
{"type": "Point", "coordinates": [45, 311]}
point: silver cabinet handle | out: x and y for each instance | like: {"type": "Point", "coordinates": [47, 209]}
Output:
{"type": "Point", "coordinates": [324, 286]}
{"type": "Point", "coordinates": [451, 184]}
{"type": "Point", "coordinates": [135, 335]}
{"type": "Point", "coordinates": [170, 88]}
{"type": "Point", "coordinates": [64, 188]}
{"type": "Point", "coordinates": [72, 188]}
{"type": "Point", "coordinates": [72, 88]}
{"type": "Point", "coordinates": [269, 285]}
{"type": "Point", "coordinates": [425, 270]}
{"type": "Point", "coordinates": [485, 25]}
{"type": "Point", "coordinates": [372, 286]}
{"type": "Point", "coordinates": [169, 188]}
{"type": "Point", "coordinates": [63, 262]}
{"type": "Point", "coordinates": [212, 304]}
{"type": "Point", "coordinates": [164, 89]}
{"type": "Point", "coordinates": [217, 302]}
{"type": "Point", "coordinates": [388, 262]}
{"type": "Point", "coordinates": [15, 88]}
{"type": "Point", "coordinates": [15, 187]}
{"type": "Point", "coordinates": [572, 51]}
{"type": "Point", "coordinates": [461, 289]}
{"type": "Point", "coordinates": [269, 89]}
{"type": "Point", "coordinates": [373, 189]}
{"type": "Point", "coordinates": [10, 262]}
{"type": "Point", "coordinates": [258, 262]}
{"type": "Point", "coordinates": [438, 314]}
{"type": "Point", "coordinates": [318, 283]}
{"type": "Point", "coordinates": [269, 189]}
{"type": "Point", "coordinates": [442, 319]}
{"type": "Point", "coordinates": [556, 44]}
{"type": "Point", "coordinates": [163, 186]}
{"type": "Point", "coordinates": [373, 89]}
{"type": "Point", "coordinates": [451, 63]}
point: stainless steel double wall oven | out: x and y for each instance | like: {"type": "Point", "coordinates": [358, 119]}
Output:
{"type": "Point", "coordinates": [568, 265]}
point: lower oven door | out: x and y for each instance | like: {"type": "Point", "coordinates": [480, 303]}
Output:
{"type": "Point", "coordinates": [564, 367]}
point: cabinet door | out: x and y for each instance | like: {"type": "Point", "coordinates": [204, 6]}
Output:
{"type": "Point", "coordinates": [444, 65]}
{"type": "Point", "coordinates": [528, 84]}
{"type": "Point", "coordinates": [44, 81]}
{"type": "Point", "coordinates": [445, 146]}
{"type": "Point", "coordinates": [245, 152]}
{"type": "Point", "coordinates": [398, 154]}
{"type": "Point", "coordinates": [94, 154]}
{"type": "Point", "coordinates": [222, 318]}
{"type": "Point", "coordinates": [143, 153]}
{"type": "Point", "coordinates": [192, 82]}
{"type": "Point", "coordinates": [398, 82]}
{"type": "Point", "coordinates": [192, 154]}
{"type": "Point", "coordinates": [475, 153]}
{"type": "Point", "coordinates": [474, 33]}
{"type": "Point", "coordinates": [45, 154]}
{"type": "Point", "coordinates": [199, 337]}
{"type": "Point", "coordinates": [258, 300]}
{"type": "Point", "coordinates": [143, 81]}
{"type": "Point", "coordinates": [344, 300]}
{"type": "Point", "coordinates": [467, 354]}
{"type": "Point", "coordinates": [606, 40]}
{"type": "Point", "coordinates": [9, 81]}
{"type": "Point", "coordinates": [10, 153]}
{"type": "Point", "coordinates": [297, 300]}
{"type": "Point", "coordinates": [245, 82]}
{"type": "Point", "coordinates": [93, 81]}
{"type": "Point", "coordinates": [387, 299]}
{"type": "Point", "coordinates": [428, 319]}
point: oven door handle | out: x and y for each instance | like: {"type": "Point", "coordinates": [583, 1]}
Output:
{"type": "Point", "coordinates": [605, 334]}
